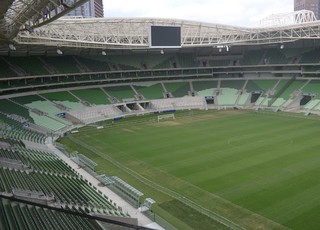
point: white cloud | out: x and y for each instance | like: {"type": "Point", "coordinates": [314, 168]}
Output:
{"type": "Point", "coordinates": [230, 12]}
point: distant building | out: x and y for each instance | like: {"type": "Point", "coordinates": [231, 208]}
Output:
{"type": "Point", "coordinates": [312, 5]}
{"type": "Point", "coordinates": [91, 9]}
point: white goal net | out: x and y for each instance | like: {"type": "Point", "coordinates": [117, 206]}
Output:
{"type": "Point", "coordinates": [166, 117]}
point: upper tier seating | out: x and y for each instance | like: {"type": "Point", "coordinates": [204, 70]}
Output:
{"type": "Point", "coordinates": [94, 96]}
{"type": "Point", "coordinates": [32, 65]}
{"type": "Point", "coordinates": [150, 91]}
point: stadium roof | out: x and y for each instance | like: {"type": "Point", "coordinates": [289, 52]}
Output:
{"type": "Point", "coordinates": [133, 33]}
{"type": "Point", "coordinates": [17, 15]}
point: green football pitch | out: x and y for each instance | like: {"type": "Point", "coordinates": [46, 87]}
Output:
{"type": "Point", "coordinates": [257, 169]}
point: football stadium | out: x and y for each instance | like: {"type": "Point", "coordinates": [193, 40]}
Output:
{"type": "Point", "coordinates": [149, 123]}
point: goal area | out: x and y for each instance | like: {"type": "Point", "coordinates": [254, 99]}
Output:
{"type": "Point", "coordinates": [166, 117]}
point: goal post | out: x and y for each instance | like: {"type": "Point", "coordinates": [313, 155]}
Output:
{"type": "Point", "coordinates": [166, 117]}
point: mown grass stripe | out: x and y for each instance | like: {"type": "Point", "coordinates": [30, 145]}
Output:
{"type": "Point", "coordinates": [263, 162]}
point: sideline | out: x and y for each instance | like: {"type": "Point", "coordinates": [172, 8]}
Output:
{"type": "Point", "coordinates": [165, 190]}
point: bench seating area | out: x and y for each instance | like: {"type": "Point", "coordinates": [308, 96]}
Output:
{"type": "Point", "coordinates": [16, 215]}
{"type": "Point", "coordinates": [27, 165]}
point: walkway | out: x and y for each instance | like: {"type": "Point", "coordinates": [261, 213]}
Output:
{"type": "Point", "coordinates": [126, 207]}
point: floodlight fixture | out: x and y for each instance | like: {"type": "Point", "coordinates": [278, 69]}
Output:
{"type": "Point", "coordinates": [12, 47]}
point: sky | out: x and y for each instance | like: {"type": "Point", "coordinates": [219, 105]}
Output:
{"type": "Point", "coordinates": [247, 13]}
